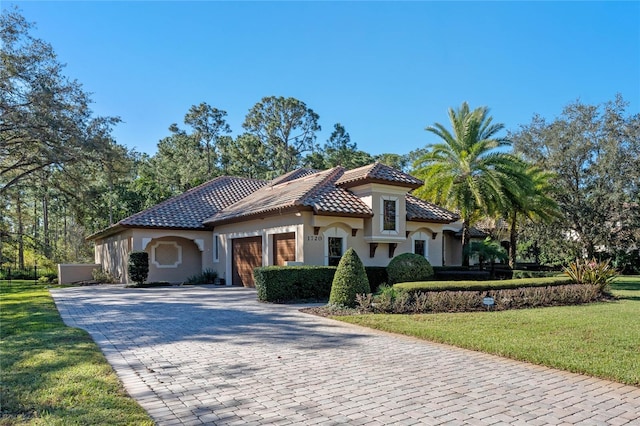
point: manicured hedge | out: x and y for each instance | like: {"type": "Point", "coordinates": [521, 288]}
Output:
{"type": "Point", "coordinates": [481, 285]}
{"type": "Point", "coordinates": [287, 283]}
{"type": "Point", "coordinates": [535, 274]}
{"type": "Point", "coordinates": [421, 302]}
{"type": "Point", "coordinates": [290, 283]}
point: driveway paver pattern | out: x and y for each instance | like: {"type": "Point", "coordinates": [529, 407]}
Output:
{"type": "Point", "coordinates": [210, 355]}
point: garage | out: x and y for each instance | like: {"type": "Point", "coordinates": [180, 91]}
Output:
{"type": "Point", "coordinates": [246, 255]}
{"type": "Point", "coordinates": [284, 248]}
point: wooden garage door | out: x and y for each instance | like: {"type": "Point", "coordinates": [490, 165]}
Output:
{"type": "Point", "coordinates": [284, 248]}
{"type": "Point", "coordinates": [247, 255]}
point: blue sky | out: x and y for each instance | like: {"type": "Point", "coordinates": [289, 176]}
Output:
{"type": "Point", "coordinates": [385, 70]}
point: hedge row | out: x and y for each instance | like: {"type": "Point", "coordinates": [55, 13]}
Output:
{"type": "Point", "coordinates": [481, 285]}
{"type": "Point", "coordinates": [293, 283]}
{"type": "Point", "coordinates": [404, 302]}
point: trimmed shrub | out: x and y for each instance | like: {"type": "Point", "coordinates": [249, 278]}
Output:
{"type": "Point", "coordinates": [404, 302]}
{"type": "Point", "coordinates": [286, 283]}
{"type": "Point", "coordinates": [280, 284]}
{"type": "Point", "coordinates": [409, 267]}
{"type": "Point", "coordinates": [138, 266]}
{"type": "Point", "coordinates": [350, 279]}
{"type": "Point", "coordinates": [481, 285]}
{"type": "Point", "coordinates": [534, 274]}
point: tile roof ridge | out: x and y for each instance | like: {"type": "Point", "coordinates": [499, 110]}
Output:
{"type": "Point", "coordinates": [332, 175]}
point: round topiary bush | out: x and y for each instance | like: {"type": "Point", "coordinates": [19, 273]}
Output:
{"type": "Point", "coordinates": [409, 267]}
{"type": "Point", "coordinates": [350, 279]}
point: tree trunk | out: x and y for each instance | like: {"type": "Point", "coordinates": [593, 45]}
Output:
{"type": "Point", "coordinates": [513, 241]}
{"type": "Point", "coordinates": [20, 231]}
{"type": "Point", "coordinates": [465, 242]}
{"type": "Point", "coordinates": [45, 224]}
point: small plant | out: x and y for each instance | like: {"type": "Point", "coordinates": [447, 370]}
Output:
{"type": "Point", "coordinates": [591, 272]}
{"type": "Point", "coordinates": [350, 280]}
{"type": "Point", "coordinates": [208, 276]}
{"type": "Point", "coordinates": [486, 250]}
{"type": "Point", "coordinates": [103, 276]}
{"type": "Point", "coordinates": [138, 266]}
{"type": "Point", "coordinates": [409, 267]}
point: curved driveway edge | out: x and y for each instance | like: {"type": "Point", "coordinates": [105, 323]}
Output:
{"type": "Point", "coordinates": [211, 355]}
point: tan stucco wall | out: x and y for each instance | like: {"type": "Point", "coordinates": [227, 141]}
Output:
{"type": "Point", "coordinates": [72, 273]}
{"type": "Point", "coordinates": [112, 252]}
{"type": "Point", "coordinates": [183, 253]}
{"type": "Point", "coordinates": [266, 228]}
{"type": "Point", "coordinates": [316, 250]}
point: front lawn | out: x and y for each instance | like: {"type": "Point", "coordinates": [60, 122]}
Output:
{"type": "Point", "coordinates": [599, 339]}
{"type": "Point", "coordinates": [53, 374]}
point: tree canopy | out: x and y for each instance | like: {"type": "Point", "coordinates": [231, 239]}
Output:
{"type": "Point", "coordinates": [594, 154]}
{"type": "Point", "coordinates": [465, 172]}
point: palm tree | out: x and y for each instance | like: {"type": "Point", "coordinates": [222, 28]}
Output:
{"type": "Point", "coordinates": [465, 172]}
{"type": "Point", "coordinates": [531, 200]}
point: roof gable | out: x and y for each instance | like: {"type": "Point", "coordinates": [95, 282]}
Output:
{"type": "Point", "coordinates": [316, 192]}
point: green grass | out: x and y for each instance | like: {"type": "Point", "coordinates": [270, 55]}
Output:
{"type": "Point", "coordinates": [599, 339]}
{"type": "Point", "coordinates": [51, 374]}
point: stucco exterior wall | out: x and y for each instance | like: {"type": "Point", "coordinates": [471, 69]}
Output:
{"type": "Point", "coordinates": [173, 259]}
{"type": "Point", "coordinates": [266, 228]}
{"type": "Point", "coordinates": [72, 273]}
{"type": "Point", "coordinates": [112, 252]}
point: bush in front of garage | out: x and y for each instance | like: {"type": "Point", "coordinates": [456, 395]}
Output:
{"type": "Point", "coordinates": [299, 283]}
{"type": "Point", "coordinates": [288, 283]}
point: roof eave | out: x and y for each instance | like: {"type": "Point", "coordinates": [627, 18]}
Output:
{"type": "Point", "coordinates": [431, 220]}
{"type": "Point", "coordinates": [358, 182]}
{"type": "Point", "coordinates": [119, 227]}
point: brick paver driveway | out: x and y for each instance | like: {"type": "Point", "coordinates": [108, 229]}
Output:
{"type": "Point", "coordinates": [205, 355]}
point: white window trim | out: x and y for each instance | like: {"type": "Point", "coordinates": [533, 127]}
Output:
{"type": "Point", "coordinates": [388, 231]}
{"type": "Point", "coordinates": [333, 232]}
{"type": "Point", "coordinates": [168, 243]}
{"type": "Point", "coordinates": [420, 236]}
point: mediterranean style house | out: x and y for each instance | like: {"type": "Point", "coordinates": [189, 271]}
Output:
{"type": "Point", "coordinates": [305, 217]}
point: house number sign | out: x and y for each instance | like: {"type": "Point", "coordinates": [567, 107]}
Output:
{"type": "Point", "coordinates": [314, 237]}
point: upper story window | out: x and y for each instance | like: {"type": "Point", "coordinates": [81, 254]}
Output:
{"type": "Point", "coordinates": [390, 214]}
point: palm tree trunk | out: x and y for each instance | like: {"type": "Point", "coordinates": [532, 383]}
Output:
{"type": "Point", "coordinates": [466, 240]}
{"type": "Point", "coordinates": [513, 240]}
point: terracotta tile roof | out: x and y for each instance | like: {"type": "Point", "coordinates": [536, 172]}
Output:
{"type": "Point", "coordinates": [293, 175]}
{"type": "Point", "coordinates": [316, 192]}
{"type": "Point", "coordinates": [230, 199]}
{"type": "Point", "coordinates": [190, 209]}
{"type": "Point", "coordinates": [473, 233]}
{"type": "Point", "coordinates": [378, 173]}
{"type": "Point", "coordinates": [423, 211]}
